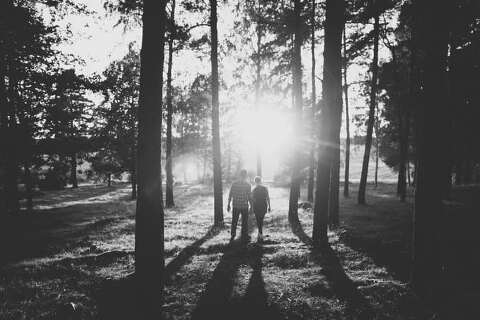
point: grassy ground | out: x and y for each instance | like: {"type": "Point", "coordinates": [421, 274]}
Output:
{"type": "Point", "coordinates": [78, 248]}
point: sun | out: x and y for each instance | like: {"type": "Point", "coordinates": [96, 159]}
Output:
{"type": "Point", "coordinates": [267, 129]}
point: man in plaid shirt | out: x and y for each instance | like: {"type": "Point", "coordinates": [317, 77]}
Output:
{"type": "Point", "coordinates": [240, 194]}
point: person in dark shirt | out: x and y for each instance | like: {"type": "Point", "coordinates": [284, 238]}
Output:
{"type": "Point", "coordinates": [260, 204]}
{"type": "Point", "coordinates": [240, 196]}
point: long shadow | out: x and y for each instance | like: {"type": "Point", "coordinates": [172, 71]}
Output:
{"type": "Point", "coordinates": [116, 298]}
{"type": "Point", "coordinates": [217, 301]}
{"type": "Point", "coordinates": [341, 284]}
{"type": "Point", "coordinates": [182, 258]}
{"type": "Point", "coordinates": [214, 303]}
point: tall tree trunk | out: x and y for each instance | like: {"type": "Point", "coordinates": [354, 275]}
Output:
{"type": "Point", "coordinates": [433, 39]}
{"type": "Point", "coordinates": [371, 114]}
{"type": "Point", "coordinates": [133, 181]}
{"type": "Point", "coordinates": [109, 179]}
{"type": "Point", "coordinates": [346, 185]}
{"type": "Point", "coordinates": [217, 160]}
{"type": "Point", "coordinates": [149, 220]}
{"type": "Point", "coordinates": [258, 69]}
{"type": "Point", "coordinates": [168, 159]}
{"type": "Point", "coordinates": [332, 97]}
{"type": "Point", "coordinates": [311, 169]}
{"type": "Point", "coordinates": [28, 186]}
{"type": "Point", "coordinates": [298, 104]}
{"type": "Point", "coordinates": [73, 170]}
{"type": "Point", "coordinates": [377, 145]}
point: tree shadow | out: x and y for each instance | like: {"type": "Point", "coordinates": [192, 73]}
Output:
{"type": "Point", "coordinates": [116, 299]}
{"type": "Point", "coordinates": [217, 301]}
{"type": "Point", "coordinates": [182, 258]}
{"type": "Point", "coordinates": [341, 285]}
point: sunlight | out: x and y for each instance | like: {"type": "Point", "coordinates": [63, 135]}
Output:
{"type": "Point", "coordinates": [269, 130]}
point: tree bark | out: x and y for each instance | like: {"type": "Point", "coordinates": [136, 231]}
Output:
{"type": "Point", "coordinates": [73, 170]}
{"type": "Point", "coordinates": [258, 69]}
{"type": "Point", "coordinates": [346, 184]}
{"type": "Point", "coordinates": [311, 169]}
{"type": "Point", "coordinates": [298, 105]}
{"type": "Point", "coordinates": [377, 144]}
{"type": "Point", "coordinates": [332, 97]}
{"type": "Point", "coordinates": [371, 114]}
{"type": "Point", "coordinates": [433, 40]}
{"type": "Point", "coordinates": [149, 219]}
{"type": "Point", "coordinates": [217, 157]}
{"type": "Point", "coordinates": [169, 202]}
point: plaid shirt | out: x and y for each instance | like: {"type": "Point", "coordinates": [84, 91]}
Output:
{"type": "Point", "coordinates": [240, 193]}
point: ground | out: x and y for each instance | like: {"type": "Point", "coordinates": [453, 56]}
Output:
{"type": "Point", "coordinates": [77, 248]}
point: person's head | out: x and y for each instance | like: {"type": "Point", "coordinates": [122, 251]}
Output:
{"type": "Point", "coordinates": [258, 180]}
{"type": "Point", "coordinates": [243, 174]}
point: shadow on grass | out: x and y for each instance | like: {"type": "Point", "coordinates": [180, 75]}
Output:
{"type": "Point", "coordinates": [342, 286]}
{"type": "Point", "coordinates": [217, 301]}
{"type": "Point", "coordinates": [182, 258]}
{"type": "Point", "coordinates": [116, 298]}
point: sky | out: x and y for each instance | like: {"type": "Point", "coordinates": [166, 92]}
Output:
{"type": "Point", "coordinates": [98, 41]}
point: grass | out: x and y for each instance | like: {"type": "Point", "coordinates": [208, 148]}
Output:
{"type": "Point", "coordinates": [78, 248]}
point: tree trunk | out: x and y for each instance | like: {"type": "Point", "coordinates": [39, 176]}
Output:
{"type": "Point", "coordinates": [168, 159]}
{"type": "Point", "coordinates": [332, 97]}
{"type": "Point", "coordinates": [73, 170]}
{"type": "Point", "coordinates": [258, 69]}
{"type": "Point", "coordinates": [109, 179]}
{"type": "Point", "coordinates": [149, 219]}
{"type": "Point", "coordinates": [371, 114]}
{"type": "Point", "coordinates": [311, 169]}
{"type": "Point", "coordinates": [377, 144]}
{"type": "Point", "coordinates": [217, 160]}
{"type": "Point", "coordinates": [133, 180]}
{"type": "Point", "coordinates": [433, 37]}
{"type": "Point", "coordinates": [346, 184]}
{"type": "Point", "coordinates": [403, 141]}
{"type": "Point", "coordinates": [298, 104]}
{"type": "Point", "coordinates": [28, 186]}
{"type": "Point", "coordinates": [333, 202]}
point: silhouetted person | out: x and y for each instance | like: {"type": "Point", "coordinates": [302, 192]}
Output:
{"type": "Point", "coordinates": [240, 194]}
{"type": "Point", "coordinates": [260, 204]}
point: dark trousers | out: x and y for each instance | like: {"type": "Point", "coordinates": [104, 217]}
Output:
{"type": "Point", "coordinates": [259, 216]}
{"type": "Point", "coordinates": [236, 212]}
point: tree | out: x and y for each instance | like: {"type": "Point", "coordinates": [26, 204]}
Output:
{"type": "Point", "coordinates": [217, 157]}
{"type": "Point", "coordinates": [432, 31]}
{"type": "Point", "coordinates": [311, 169]}
{"type": "Point", "coordinates": [332, 106]}
{"type": "Point", "coordinates": [372, 108]}
{"type": "Point", "coordinates": [298, 105]}
{"type": "Point", "coordinates": [117, 116]}
{"type": "Point", "coordinates": [346, 183]}
{"type": "Point", "coordinates": [168, 157]}
{"type": "Point", "coordinates": [149, 218]}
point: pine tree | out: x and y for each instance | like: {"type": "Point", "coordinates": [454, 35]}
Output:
{"type": "Point", "coordinates": [332, 97]}
{"type": "Point", "coordinates": [149, 219]}
{"type": "Point", "coordinates": [217, 156]}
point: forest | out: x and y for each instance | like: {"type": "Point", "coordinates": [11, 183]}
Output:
{"type": "Point", "coordinates": [344, 131]}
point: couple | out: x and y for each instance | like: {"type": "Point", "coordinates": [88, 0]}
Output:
{"type": "Point", "coordinates": [242, 195]}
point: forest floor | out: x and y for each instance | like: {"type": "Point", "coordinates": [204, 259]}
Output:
{"type": "Point", "coordinates": [78, 247]}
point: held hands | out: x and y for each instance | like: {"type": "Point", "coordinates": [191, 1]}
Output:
{"type": "Point", "coordinates": [269, 209]}
{"type": "Point", "coordinates": [228, 207]}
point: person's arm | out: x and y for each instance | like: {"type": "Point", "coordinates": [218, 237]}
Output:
{"type": "Point", "coordinates": [250, 199]}
{"type": "Point", "coordinates": [268, 200]}
{"type": "Point", "coordinates": [229, 198]}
